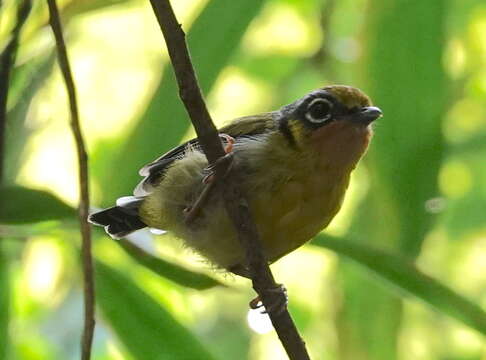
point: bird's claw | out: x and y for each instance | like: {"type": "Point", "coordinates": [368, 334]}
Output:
{"type": "Point", "coordinates": [228, 158]}
{"type": "Point", "coordinates": [279, 304]}
{"type": "Point", "coordinates": [230, 141]}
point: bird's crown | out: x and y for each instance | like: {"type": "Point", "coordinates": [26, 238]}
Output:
{"type": "Point", "coordinates": [348, 96]}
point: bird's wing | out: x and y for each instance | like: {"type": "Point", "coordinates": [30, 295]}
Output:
{"type": "Point", "coordinates": [245, 126]}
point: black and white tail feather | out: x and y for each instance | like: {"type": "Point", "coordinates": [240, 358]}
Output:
{"type": "Point", "coordinates": [120, 220]}
{"type": "Point", "coordinates": [123, 219]}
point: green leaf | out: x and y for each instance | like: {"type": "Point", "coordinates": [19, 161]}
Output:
{"type": "Point", "coordinates": [212, 40]}
{"type": "Point", "coordinates": [404, 70]}
{"type": "Point", "coordinates": [21, 205]}
{"type": "Point", "coordinates": [147, 330]}
{"type": "Point", "coordinates": [406, 80]}
{"type": "Point", "coordinates": [168, 270]}
{"type": "Point", "coordinates": [4, 305]}
{"type": "Point", "coordinates": [406, 276]}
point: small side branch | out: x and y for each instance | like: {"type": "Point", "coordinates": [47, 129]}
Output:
{"type": "Point", "coordinates": [236, 205]}
{"type": "Point", "coordinates": [88, 278]}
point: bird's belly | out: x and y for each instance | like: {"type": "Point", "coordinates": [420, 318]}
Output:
{"type": "Point", "coordinates": [288, 213]}
{"type": "Point", "coordinates": [296, 211]}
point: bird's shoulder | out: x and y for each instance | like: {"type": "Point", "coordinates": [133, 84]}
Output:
{"type": "Point", "coordinates": [250, 125]}
{"type": "Point", "coordinates": [247, 126]}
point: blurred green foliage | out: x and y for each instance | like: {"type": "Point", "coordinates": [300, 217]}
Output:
{"type": "Point", "coordinates": [414, 216]}
{"type": "Point", "coordinates": [138, 328]}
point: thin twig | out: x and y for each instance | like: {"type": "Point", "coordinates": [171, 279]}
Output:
{"type": "Point", "coordinates": [7, 61]}
{"type": "Point", "coordinates": [236, 205]}
{"type": "Point", "coordinates": [89, 291]}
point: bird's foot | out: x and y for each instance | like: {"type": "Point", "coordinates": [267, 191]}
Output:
{"type": "Point", "coordinates": [230, 142]}
{"type": "Point", "coordinates": [279, 303]}
{"type": "Point", "coordinates": [226, 160]}
{"type": "Point", "coordinates": [224, 163]}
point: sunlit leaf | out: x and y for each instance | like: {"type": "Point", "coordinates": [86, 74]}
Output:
{"type": "Point", "coordinates": [144, 327]}
{"type": "Point", "coordinates": [404, 275]}
{"type": "Point", "coordinates": [22, 205]}
{"type": "Point", "coordinates": [168, 270]}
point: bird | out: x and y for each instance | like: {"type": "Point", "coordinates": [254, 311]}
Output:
{"type": "Point", "coordinates": [294, 166]}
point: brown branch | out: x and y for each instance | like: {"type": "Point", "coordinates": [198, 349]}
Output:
{"type": "Point", "coordinates": [236, 205]}
{"type": "Point", "coordinates": [88, 278]}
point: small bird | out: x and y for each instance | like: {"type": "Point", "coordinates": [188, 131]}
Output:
{"type": "Point", "coordinates": [294, 166]}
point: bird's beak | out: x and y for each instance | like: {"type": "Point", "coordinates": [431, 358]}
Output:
{"type": "Point", "coordinates": [366, 115]}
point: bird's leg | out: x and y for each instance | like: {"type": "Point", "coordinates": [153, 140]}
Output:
{"type": "Point", "coordinates": [280, 303]}
{"type": "Point", "coordinates": [225, 163]}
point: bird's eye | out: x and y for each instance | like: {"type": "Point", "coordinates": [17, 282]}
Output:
{"type": "Point", "coordinates": [319, 111]}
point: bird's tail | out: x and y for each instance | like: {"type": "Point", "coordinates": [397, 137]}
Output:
{"type": "Point", "coordinates": [120, 220]}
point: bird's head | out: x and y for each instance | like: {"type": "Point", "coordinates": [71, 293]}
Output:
{"type": "Point", "coordinates": [333, 122]}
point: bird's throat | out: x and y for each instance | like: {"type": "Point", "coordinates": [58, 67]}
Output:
{"type": "Point", "coordinates": [340, 145]}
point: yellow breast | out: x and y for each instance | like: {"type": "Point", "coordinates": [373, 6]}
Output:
{"type": "Point", "coordinates": [297, 210]}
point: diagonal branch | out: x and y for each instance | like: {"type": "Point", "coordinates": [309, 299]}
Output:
{"type": "Point", "coordinates": [236, 205]}
{"type": "Point", "coordinates": [89, 295]}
